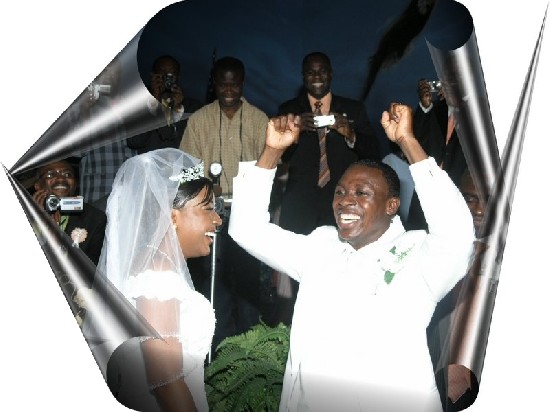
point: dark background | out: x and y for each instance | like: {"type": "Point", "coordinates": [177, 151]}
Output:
{"type": "Point", "coordinates": [271, 38]}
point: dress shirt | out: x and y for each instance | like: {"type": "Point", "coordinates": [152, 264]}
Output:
{"type": "Point", "coordinates": [240, 138]}
{"type": "Point", "coordinates": [357, 341]}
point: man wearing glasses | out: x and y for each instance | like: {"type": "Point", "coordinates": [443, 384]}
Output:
{"type": "Point", "coordinates": [85, 226]}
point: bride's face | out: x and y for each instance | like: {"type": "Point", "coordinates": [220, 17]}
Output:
{"type": "Point", "coordinates": [195, 224]}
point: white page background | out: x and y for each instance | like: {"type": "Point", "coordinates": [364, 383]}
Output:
{"type": "Point", "coordinates": [51, 50]}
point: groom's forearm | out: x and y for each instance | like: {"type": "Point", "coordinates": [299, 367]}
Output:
{"type": "Point", "coordinates": [269, 158]}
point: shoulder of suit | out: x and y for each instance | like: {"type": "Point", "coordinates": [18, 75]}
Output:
{"type": "Point", "coordinates": [94, 211]}
{"type": "Point", "coordinates": [299, 103]}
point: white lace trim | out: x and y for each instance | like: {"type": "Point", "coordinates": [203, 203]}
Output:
{"type": "Point", "coordinates": [160, 285]}
{"type": "Point", "coordinates": [197, 319]}
{"type": "Point", "coordinates": [167, 381]}
{"type": "Point", "coordinates": [164, 335]}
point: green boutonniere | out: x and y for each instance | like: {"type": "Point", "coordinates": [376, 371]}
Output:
{"type": "Point", "coordinates": [393, 263]}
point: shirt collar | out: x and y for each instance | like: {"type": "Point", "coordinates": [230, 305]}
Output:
{"type": "Point", "coordinates": [326, 100]}
{"type": "Point", "coordinates": [394, 231]}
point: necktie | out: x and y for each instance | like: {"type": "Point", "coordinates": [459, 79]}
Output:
{"type": "Point", "coordinates": [324, 172]}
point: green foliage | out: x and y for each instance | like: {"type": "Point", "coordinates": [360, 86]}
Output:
{"type": "Point", "coordinates": [247, 373]}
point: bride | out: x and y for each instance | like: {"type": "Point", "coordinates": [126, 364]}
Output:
{"type": "Point", "coordinates": [160, 212]}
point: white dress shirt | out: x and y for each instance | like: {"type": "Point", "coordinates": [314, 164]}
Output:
{"type": "Point", "coordinates": [358, 342]}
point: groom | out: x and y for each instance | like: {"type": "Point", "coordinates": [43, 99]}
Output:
{"type": "Point", "coordinates": [361, 347]}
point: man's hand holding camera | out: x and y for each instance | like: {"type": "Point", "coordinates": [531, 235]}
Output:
{"type": "Point", "coordinates": [40, 198]}
{"type": "Point", "coordinates": [335, 121]}
{"type": "Point", "coordinates": [166, 90]}
{"type": "Point", "coordinates": [342, 125]}
{"type": "Point", "coordinates": [426, 89]}
{"type": "Point", "coordinates": [56, 183]}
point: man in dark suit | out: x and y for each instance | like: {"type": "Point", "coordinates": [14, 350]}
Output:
{"type": "Point", "coordinates": [307, 202]}
{"type": "Point", "coordinates": [85, 227]}
{"type": "Point", "coordinates": [311, 168]}
{"type": "Point", "coordinates": [435, 127]}
{"type": "Point", "coordinates": [168, 101]}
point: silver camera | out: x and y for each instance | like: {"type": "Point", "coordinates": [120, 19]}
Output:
{"type": "Point", "coordinates": [323, 121]}
{"type": "Point", "coordinates": [435, 86]}
{"type": "Point", "coordinates": [97, 90]}
{"type": "Point", "coordinates": [64, 204]}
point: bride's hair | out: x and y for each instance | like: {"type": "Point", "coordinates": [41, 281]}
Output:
{"type": "Point", "coordinates": [190, 190]}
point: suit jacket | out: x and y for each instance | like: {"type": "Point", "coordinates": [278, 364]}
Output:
{"type": "Point", "coordinates": [431, 130]}
{"type": "Point", "coordinates": [94, 221]}
{"type": "Point", "coordinates": [305, 206]}
{"type": "Point", "coordinates": [165, 136]}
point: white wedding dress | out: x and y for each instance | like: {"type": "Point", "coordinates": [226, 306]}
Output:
{"type": "Point", "coordinates": [142, 258]}
{"type": "Point", "coordinates": [197, 324]}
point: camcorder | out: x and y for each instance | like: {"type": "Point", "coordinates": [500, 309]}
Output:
{"type": "Point", "coordinates": [323, 121]}
{"type": "Point", "coordinates": [97, 90]}
{"type": "Point", "coordinates": [435, 86]}
{"type": "Point", "coordinates": [169, 81]}
{"type": "Point", "coordinates": [64, 204]}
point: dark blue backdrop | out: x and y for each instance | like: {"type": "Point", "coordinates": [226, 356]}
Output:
{"type": "Point", "coordinates": [271, 38]}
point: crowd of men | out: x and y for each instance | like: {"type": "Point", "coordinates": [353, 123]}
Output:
{"type": "Point", "coordinates": [335, 131]}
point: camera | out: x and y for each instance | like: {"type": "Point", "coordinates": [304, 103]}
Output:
{"type": "Point", "coordinates": [435, 86]}
{"type": "Point", "coordinates": [98, 89]}
{"type": "Point", "coordinates": [64, 204]}
{"type": "Point", "coordinates": [323, 121]}
{"type": "Point", "coordinates": [169, 81]}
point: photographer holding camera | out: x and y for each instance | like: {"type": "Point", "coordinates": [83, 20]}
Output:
{"type": "Point", "coordinates": [334, 132]}
{"type": "Point", "coordinates": [434, 124]}
{"type": "Point", "coordinates": [55, 188]}
{"type": "Point", "coordinates": [168, 101]}
{"type": "Point", "coordinates": [348, 136]}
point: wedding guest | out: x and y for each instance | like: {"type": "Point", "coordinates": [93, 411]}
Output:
{"type": "Point", "coordinates": [223, 133]}
{"type": "Point", "coordinates": [87, 226]}
{"type": "Point", "coordinates": [457, 384]}
{"type": "Point", "coordinates": [306, 202]}
{"type": "Point", "coordinates": [368, 288]}
{"type": "Point", "coordinates": [435, 126]}
{"type": "Point", "coordinates": [317, 161]}
{"type": "Point", "coordinates": [169, 102]}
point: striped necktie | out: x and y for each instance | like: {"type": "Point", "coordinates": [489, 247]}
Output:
{"type": "Point", "coordinates": [324, 172]}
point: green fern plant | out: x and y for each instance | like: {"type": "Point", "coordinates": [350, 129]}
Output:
{"type": "Point", "coordinates": [247, 373]}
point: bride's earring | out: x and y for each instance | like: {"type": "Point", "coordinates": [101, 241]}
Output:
{"type": "Point", "coordinates": [175, 227]}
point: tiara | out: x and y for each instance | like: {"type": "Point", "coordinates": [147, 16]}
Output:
{"type": "Point", "coordinates": [189, 174]}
